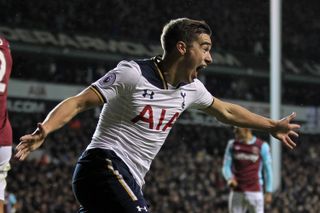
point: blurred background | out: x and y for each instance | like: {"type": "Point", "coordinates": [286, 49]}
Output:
{"type": "Point", "coordinates": [60, 47]}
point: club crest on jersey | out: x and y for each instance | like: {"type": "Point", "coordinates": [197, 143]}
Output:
{"type": "Point", "coordinates": [183, 95]}
{"type": "Point", "coordinates": [107, 80]}
{"type": "Point", "coordinates": [149, 93]}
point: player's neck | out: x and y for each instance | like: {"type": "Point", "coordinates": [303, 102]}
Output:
{"type": "Point", "coordinates": [169, 67]}
{"type": "Point", "coordinates": [248, 138]}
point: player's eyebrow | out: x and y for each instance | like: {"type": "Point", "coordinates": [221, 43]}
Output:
{"type": "Point", "coordinates": [205, 43]}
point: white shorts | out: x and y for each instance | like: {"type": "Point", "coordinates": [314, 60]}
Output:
{"type": "Point", "coordinates": [241, 202]}
{"type": "Point", "coordinates": [5, 156]}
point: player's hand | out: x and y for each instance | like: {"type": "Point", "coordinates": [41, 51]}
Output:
{"type": "Point", "coordinates": [268, 198]}
{"type": "Point", "coordinates": [284, 130]}
{"type": "Point", "coordinates": [30, 142]}
{"type": "Point", "coordinates": [232, 183]}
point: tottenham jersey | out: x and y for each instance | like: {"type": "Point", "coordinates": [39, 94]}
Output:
{"type": "Point", "coordinates": [139, 111]}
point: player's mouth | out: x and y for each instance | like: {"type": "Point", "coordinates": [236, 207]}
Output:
{"type": "Point", "coordinates": [199, 69]}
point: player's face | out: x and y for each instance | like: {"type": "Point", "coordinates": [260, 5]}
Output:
{"type": "Point", "coordinates": [198, 56]}
{"type": "Point", "coordinates": [240, 133]}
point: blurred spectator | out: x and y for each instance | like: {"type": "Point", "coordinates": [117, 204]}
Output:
{"type": "Point", "coordinates": [11, 204]}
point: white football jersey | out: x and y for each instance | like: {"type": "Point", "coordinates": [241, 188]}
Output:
{"type": "Point", "coordinates": [139, 111]}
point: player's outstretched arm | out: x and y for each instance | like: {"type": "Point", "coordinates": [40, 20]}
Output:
{"type": "Point", "coordinates": [236, 115]}
{"type": "Point", "coordinates": [58, 117]}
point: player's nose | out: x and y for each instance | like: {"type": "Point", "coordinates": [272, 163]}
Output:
{"type": "Point", "coordinates": [208, 58]}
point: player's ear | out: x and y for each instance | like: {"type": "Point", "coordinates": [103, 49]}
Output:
{"type": "Point", "coordinates": [181, 47]}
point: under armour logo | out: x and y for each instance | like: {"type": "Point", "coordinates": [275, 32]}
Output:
{"type": "Point", "coordinates": [183, 95]}
{"type": "Point", "coordinates": [145, 93]}
{"type": "Point", "coordinates": [142, 208]}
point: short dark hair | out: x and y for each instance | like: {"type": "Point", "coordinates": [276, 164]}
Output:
{"type": "Point", "coordinates": [182, 29]}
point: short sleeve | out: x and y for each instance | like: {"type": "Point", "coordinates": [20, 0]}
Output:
{"type": "Point", "coordinates": [203, 98]}
{"type": "Point", "coordinates": [227, 161]}
{"type": "Point", "coordinates": [119, 81]}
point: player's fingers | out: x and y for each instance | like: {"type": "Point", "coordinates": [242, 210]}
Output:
{"type": "Point", "coordinates": [292, 116]}
{"type": "Point", "coordinates": [26, 138]}
{"type": "Point", "coordinates": [293, 133]}
{"type": "Point", "coordinates": [24, 146]}
{"type": "Point", "coordinates": [24, 155]}
{"type": "Point", "coordinates": [289, 142]}
{"type": "Point", "coordinates": [283, 140]}
{"type": "Point", "coordinates": [18, 154]}
{"type": "Point", "coordinates": [295, 126]}
{"type": "Point", "coordinates": [288, 145]}
{"type": "Point", "coordinates": [21, 145]}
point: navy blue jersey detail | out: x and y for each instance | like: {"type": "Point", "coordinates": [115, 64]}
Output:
{"type": "Point", "coordinates": [150, 72]}
{"type": "Point", "coordinates": [181, 84]}
{"type": "Point", "coordinates": [102, 182]}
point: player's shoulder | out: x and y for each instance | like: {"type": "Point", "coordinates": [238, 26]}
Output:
{"type": "Point", "coordinates": [146, 65]}
{"type": "Point", "coordinates": [151, 72]}
{"type": "Point", "coordinates": [262, 144]}
{"type": "Point", "coordinates": [143, 67]}
{"type": "Point", "coordinates": [197, 81]}
{"type": "Point", "coordinates": [230, 142]}
{"type": "Point", "coordinates": [148, 62]}
{"type": "Point", "coordinates": [199, 84]}
{"type": "Point", "coordinates": [259, 141]}
{"type": "Point", "coordinates": [126, 69]}
{"type": "Point", "coordinates": [128, 65]}
{"type": "Point", "coordinates": [195, 85]}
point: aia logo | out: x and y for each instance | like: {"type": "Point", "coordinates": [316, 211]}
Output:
{"type": "Point", "coordinates": [149, 93]}
{"type": "Point", "coordinates": [146, 115]}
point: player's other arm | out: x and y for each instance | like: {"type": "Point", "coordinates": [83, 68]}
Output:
{"type": "Point", "coordinates": [57, 118]}
{"type": "Point", "coordinates": [69, 108]}
{"type": "Point", "coordinates": [267, 167]}
{"type": "Point", "coordinates": [227, 165]}
{"type": "Point", "coordinates": [236, 115]}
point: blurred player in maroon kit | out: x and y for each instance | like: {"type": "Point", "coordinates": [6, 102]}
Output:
{"type": "Point", "coordinates": [248, 171]}
{"type": "Point", "coordinates": [5, 127]}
